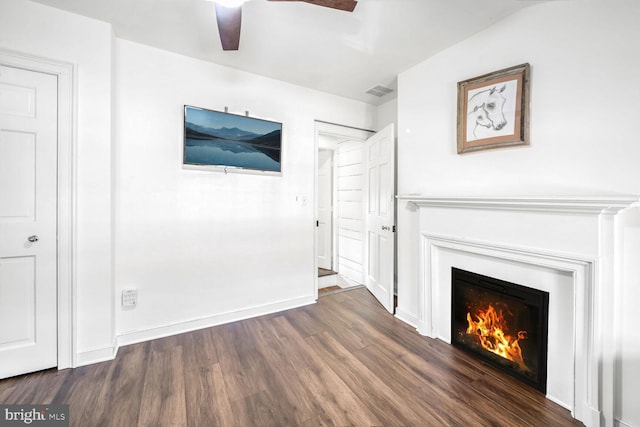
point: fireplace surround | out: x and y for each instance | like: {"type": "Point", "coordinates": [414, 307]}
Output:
{"type": "Point", "coordinates": [565, 246]}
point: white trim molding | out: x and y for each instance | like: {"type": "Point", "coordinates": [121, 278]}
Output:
{"type": "Point", "coordinates": [557, 204]}
{"type": "Point", "coordinates": [621, 423]}
{"type": "Point", "coordinates": [96, 355]}
{"type": "Point", "coordinates": [133, 337]}
{"type": "Point", "coordinates": [407, 318]}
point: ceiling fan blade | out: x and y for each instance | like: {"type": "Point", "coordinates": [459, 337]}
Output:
{"type": "Point", "coordinates": [229, 19]}
{"type": "Point", "coordinates": [346, 5]}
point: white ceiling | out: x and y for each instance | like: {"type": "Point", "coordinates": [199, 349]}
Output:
{"type": "Point", "coordinates": [333, 51]}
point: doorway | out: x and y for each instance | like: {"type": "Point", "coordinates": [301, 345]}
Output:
{"type": "Point", "coordinates": [340, 245]}
{"type": "Point", "coordinates": [359, 239]}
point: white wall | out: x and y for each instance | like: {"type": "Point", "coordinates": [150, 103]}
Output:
{"type": "Point", "coordinates": [584, 56]}
{"type": "Point", "coordinates": [46, 32]}
{"type": "Point", "coordinates": [201, 246]}
{"type": "Point", "coordinates": [387, 113]}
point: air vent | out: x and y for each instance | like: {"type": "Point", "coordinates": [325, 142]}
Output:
{"type": "Point", "coordinates": [379, 91]}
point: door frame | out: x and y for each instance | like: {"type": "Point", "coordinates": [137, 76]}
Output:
{"type": "Point", "coordinates": [333, 231]}
{"type": "Point", "coordinates": [340, 131]}
{"type": "Point", "coordinates": [65, 280]}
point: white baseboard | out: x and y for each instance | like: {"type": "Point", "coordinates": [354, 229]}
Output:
{"type": "Point", "coordinates": [326, 281]}
{"type": "Point", "coordinates": [336, 280]}
{"type": "Point", "coordinates": [350, 282]}
{"type": "Point", "coordinates": [94, 356]}
{"type": "Point", "coordinates": [207, 322]}
{"type": "Point", "coordinates": [559, 402]}
{"type": "Point", "coordinates": [406, 317]}
{"type": "Point", "coordinates": [109, 353]}
{"type": "Point", "coordinates": [619, 423]}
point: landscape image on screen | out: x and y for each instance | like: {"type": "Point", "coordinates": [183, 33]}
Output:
{"type": "Point", "coordinates": [213, 138]}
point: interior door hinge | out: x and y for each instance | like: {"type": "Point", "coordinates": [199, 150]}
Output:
{"type": "Point", "coordinates": [393, 229]}
{"type": "Point", "coordinates": [317, 223]}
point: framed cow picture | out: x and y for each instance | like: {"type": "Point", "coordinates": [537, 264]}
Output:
{"type": "Point", "coordinates": [493, 110]}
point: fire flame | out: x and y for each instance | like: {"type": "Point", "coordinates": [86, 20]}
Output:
{"type": "Point", "coordinates": [490, 328]}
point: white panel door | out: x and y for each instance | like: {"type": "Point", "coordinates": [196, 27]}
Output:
{"type": "Point", "coordinates": [28, 161]}
{"type": "Point", "coordinates": [380, 215]}
{"type": "Point", "coordinates": [325, 208]}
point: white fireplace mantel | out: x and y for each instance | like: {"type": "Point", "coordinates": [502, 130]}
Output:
{"type": "Point", "coordinates": [566, 245]}
{"type": "Point", "coordinates": [577, 204]}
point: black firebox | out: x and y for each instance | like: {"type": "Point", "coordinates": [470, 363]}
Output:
{"type": "Point", "coordinates": [504, 324]}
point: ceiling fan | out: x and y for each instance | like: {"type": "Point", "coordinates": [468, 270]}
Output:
{"type": "Point", "coordinates": [229, 17]}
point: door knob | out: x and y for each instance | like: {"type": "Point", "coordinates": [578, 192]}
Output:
{"type": "Point", "coordinates": [384, 228]}
{"type": "Point", "coordinates": [33, 238]}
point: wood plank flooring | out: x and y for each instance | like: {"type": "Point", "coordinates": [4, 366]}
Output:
{"type": "Point", "coordinates": [328, 289]}
{"type": "Point", "coordinates": [342, 362]}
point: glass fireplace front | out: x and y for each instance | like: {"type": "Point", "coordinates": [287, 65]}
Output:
{"type": "Point", "coordinates": [502, 323]}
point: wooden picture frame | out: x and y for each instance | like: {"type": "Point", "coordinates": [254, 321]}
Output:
{"type": "Point", "coordinates": [493, 110]}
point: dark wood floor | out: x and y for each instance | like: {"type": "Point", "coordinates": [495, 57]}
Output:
{"type": "Point", "coordinates": [341, 362]}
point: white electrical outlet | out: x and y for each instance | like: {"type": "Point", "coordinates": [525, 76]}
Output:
{"type": "Point", "coordinates": [129, 297]}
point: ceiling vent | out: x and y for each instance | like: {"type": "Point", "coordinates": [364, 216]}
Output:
{"type": "Point", "coordinates": [379, 91]}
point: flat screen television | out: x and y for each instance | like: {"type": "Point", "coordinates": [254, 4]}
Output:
{"type": "Point", "coordinates": [225, 140]}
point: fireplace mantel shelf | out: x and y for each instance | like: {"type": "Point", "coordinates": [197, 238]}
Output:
{"type": "Point", "coordinates": [575, 204]}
